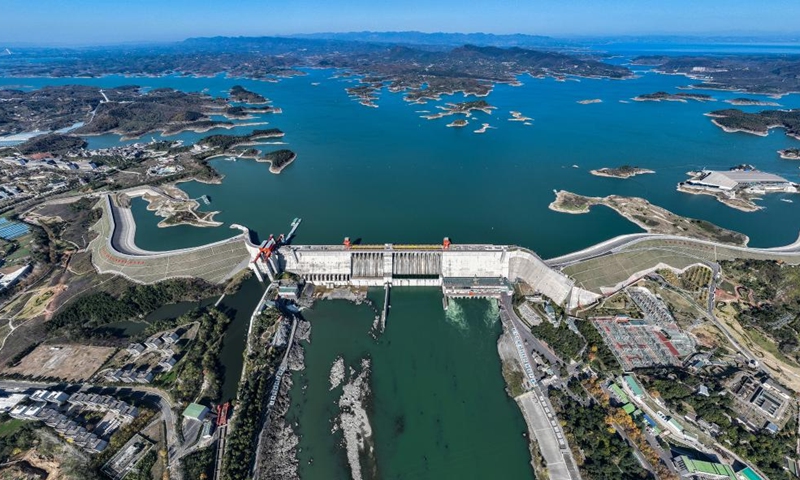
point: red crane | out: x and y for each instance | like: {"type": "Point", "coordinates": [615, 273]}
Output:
{"type": "Point", "coordinates": [266, 249]}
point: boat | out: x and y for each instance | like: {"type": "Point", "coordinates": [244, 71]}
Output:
{"type": "Point", "coordinates": [787, 200]}
{"type": "Point", "coordinates": [575, 166]}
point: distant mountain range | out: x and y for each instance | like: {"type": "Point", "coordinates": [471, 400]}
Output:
{"type": "Point", "coordinates": [440, 38]}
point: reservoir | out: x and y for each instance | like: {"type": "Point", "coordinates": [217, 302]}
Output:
{"type": "Point", "coordinates": [438, 407]}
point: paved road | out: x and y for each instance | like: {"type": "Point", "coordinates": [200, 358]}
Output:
{"type": "Point", "coordinates": [623, 241]}
{"type": "Point", "coordinates": [536, 407]}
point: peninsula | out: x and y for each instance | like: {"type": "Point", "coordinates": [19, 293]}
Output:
{"type": "Point", "coordinates": [240, 94]}
{"type": "Point", "coordinates": [172, 204]}
{"type": "Point", "coordinates": [278, 160]}
{"type": "Point", "coordinates": [734, 120]}
{"type": "Point", "coordinates": [673, 97]}
{"type": "Point", "coordinates": [624, 171]}
{"type": "Point", "coordinates": [737, 187]}
{"type": "Point", "coordinates": [649, 217]}
{"type": "Point", "coordinates": [750, 102]}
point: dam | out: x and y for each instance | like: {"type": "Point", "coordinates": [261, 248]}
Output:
{"type": "Point", "coordinates": [460, 270]}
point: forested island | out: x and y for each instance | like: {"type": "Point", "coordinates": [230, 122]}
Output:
{"type": "Point", "coordinates": [734, 120]}
{"type": "Point", "coordinates": [673, 97]}
{"type": "Point", "coordinates": [624, 171]}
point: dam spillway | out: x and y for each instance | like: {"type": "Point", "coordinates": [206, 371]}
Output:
{"type": "Point", "coordinates": [473, 270]}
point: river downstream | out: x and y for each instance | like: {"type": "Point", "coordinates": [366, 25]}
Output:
{"type": "Point", "coordinates": [437, 405]}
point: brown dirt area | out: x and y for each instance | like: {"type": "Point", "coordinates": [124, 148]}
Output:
{"type": "Point", "coordinates": [67, 362]}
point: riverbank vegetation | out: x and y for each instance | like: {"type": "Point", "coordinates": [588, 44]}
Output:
{"type": "Point", "coordinates": [227, 142]}
{"type": "Point", "coordinates": [278, 160]}
{"type": "Point", "coordinates": [198, 375]}
{"type": "Point", "coordinates": [80, 319]}
{"type": "Point", "coordinates": [260, 366]}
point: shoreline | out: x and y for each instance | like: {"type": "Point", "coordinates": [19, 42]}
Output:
{"type": "Point", "coordinates": [650, 218]}
{"type": "Point", "coordinates": [746, 205]}
{"type": "Point", "coordinates": [277, 170]}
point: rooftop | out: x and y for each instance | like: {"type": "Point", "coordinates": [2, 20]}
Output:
{"type": "Point", "coordinates": [732, 179]}
{"type": "Point", "coordinates": [195, 410]}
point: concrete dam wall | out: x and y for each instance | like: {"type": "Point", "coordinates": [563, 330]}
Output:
{"type": "Point", "coordinates": [429, 266]}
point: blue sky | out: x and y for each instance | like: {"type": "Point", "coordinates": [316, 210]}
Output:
{"type": "Point", "coordinates": [53, 22]}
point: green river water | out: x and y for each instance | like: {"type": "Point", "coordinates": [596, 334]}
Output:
{"type": "Point", "coordinates": [438, 407]}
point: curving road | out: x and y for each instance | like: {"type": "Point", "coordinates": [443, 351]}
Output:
{"type": "Point", "coordinates": [622, 242]}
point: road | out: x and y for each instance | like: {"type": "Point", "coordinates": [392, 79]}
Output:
{"type": "Point", "coordinates": [624, 241]}
{"type": "Point", "coordinates": [536, 407]}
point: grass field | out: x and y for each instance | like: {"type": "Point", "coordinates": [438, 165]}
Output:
{"type": "Point", "coordinates": [10, 427]}
{"type": "Point", "coordinates": [610, 270]}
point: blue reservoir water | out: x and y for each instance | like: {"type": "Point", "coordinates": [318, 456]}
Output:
{"type": "Point", "coordinates": [386, 175]}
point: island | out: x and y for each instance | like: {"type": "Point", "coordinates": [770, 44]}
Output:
{"type": "Point", "coordinates": [624, 171]}
{"type": "Point", "coordinates": [242, 95]}
{"type": "Point", "coordinates": [458, 123]}
{"type": "Point", "coordinates": [649, 217]}
{"type": "Point", "coordinates": [464, 108]}
{"type": "Point", "coordinates": [673, 97]}
{"type": "Point", "coordinates": [734, 120]}
{"type": "Point", "coordinates": [745, 102]}
{"type": "Point", "coordinates": [590, 101]}
{"type": "Point", "coordinates": [790, 153]}
{"type": "Point", "coordinates": [278, 160]}
{"type": "Point", "coordinates": [519, 117]}
{"type": "Point", "coordinates": [738, 187]}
